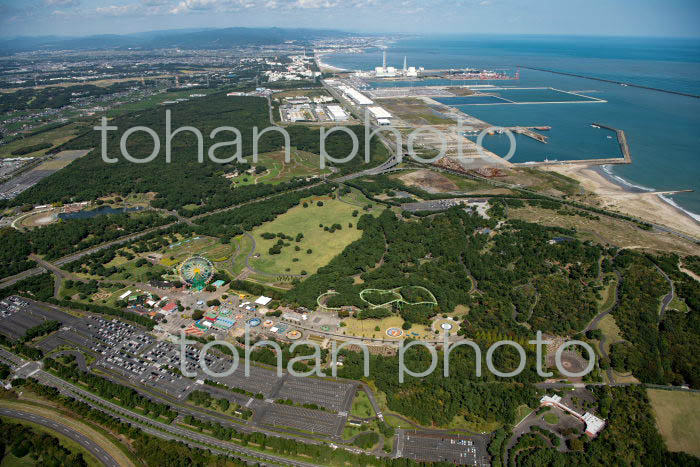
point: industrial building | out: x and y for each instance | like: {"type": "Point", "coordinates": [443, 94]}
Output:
{"type": "Point", "coordinates": [337, 113]}
{"type": "Point", "coordinates": [354, 95]}
{"type": "Point", "coordinates": [385, 71]}
{"type": "Point", "coordinates": [380, 115]}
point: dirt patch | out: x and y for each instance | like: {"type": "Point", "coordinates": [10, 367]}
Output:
{"type": "Point", "coordinates": [39, 219]}
{"type": "Point", "coordinates": [430, 181]}
{"type": "Point", "coordinates": [460, 91]}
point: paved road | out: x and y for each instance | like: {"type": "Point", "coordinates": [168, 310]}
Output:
{"type": "Point", "coordinates": [70, 258]}
{"type": "Point", "coordinates": [669, 296]}
{"type": "Point", "coordinates": [596, 321]}
{"type": "Point", "coordinates": [58, 273]}
{"type": "Point", "coordinates": [163, 430]}
{"type": "Point", "coordinates": [9, 281]}
{"type": "Point", "coordinates": [79, 438]}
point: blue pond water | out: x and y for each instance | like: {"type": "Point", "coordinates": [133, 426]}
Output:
{"type": "Point", "coordinates": [102, 210]}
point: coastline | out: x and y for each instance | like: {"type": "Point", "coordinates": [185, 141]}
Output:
{"type": "Point", "coordinates": [326, 67]}
{"type": "Point", "coordinates": [630, 199]}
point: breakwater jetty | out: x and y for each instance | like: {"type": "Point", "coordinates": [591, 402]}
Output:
{"type": "Point", "coordinates": [621, 83]}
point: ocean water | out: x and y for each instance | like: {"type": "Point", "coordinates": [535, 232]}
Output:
{"type": "Point", "coordinates": [663, 130]}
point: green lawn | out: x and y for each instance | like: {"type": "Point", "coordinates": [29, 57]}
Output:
{"type": "Point", "coordinates": [155, 100]}
{"type": "Point", "coordinates": [678, 426]}
{"type": "Point", "coordinates": [608, 294]}
{"type": "Point", "coordinates": [301, 164]}
{"type": "Point", "coordinates": [522, 412]}
{"type": "Point", "coordinates": [55, 137]}
{"type": "Point", "coordinates": [678, 304]}
{"type": "Point", "coordinates": [610, 330]}
{"type": "Point", "coordinates": [551, 418]}
{"type": "Point", "coordinates": [324, 245]}
{"type": "Point", "coordinates": [361, 406]}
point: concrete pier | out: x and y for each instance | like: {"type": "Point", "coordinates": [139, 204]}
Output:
{"type": "Point", "coordinates": [624, 148]}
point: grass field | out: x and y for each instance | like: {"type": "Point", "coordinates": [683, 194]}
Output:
{"type": "Point", "coordinates": [616, 232]}
{"type": "Point", "coordinates": [551, 418]}
{"type": "Point", "coordinates": [155, 100]}
{"type": "Point", "coordinates": [543, 181]}
{"type": "Point", "coordinates": [55, 137]}
{"type": "Point", "coordinates": [521, 412]}
{"type": "Point", "coordinates": [167, 258]}
{"type": "Point", "coordinates": [244, 245]}
{"type": "Point", "coordinates": [361, 406]}
{"type": "Point", "coordinates": [324, 245]}
{"type": "Point", "coordinates": [473, 424]}
{"type": "Point", "coordinates": [301, 164]}
{"type": "Point", "coordinates": [677, 419]}
{"type": "Point", "coordinates": [610, 330]}
{"type": "Point", "coordinates": [396, 422]}
{"type": "Point", "coordinates": [678, 304]}
{"type": "Point", "coordinates": [608, 294]}
{"type": "Point", "coordinates": [366, 328]}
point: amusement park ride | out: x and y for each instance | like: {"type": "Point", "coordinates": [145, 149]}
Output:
{"type": "Point", "coordinates": [196, 272]}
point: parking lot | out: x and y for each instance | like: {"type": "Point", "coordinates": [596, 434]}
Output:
{"type": "Point", "coordinates": [299, 418]}
{"type": "Point", "coordinates": [17, 315]}
{"type": "Point", "coordinates": [458, 450]}
{"type": "Point", "coordinates": [124, 351]}
{"type": "Point", "coordinates": [333, 395]}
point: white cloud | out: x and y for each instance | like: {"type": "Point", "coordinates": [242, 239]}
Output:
{"type": "Point", "coordinates": [119, 10]}
{"type": "Point", "coordinates": [194, 5]}
{"type": "Point", "coordinates": [316, 3]}
{"type": "Point", "coordinates": [61, 3]}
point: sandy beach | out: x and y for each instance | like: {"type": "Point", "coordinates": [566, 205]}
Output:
{"type": "Point", "coordinates": [324, 67]}
{"type": "Point", "coordinates": [645, 206]}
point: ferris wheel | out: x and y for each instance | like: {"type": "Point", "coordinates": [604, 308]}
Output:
{"type": "Point", "coordinates": [196, 272]}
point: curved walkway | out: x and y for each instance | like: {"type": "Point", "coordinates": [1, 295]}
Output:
{"type": "Point", "coordinates": [79, 438]}
{"type": "Point", "coordinates": [669, 296]}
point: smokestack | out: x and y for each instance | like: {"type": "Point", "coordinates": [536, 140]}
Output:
{"type": "Point", "coordinates": [405, 64]}
{"type": "Point", "coordinates": [384, 60]}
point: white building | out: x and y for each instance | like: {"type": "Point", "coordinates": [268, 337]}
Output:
{"type": "Point", "coordinates": [355, 95]}
{"type": "Point", "coordinates": [593, 424]}
{"type": "Point", "coordinates": [379, 113]}
{"type": "Point", "coordinates": [263, 300]}
{"type": "Point", "coordinates": [385, 72]}
{"type": "Point", "coordinates": [337, 113]}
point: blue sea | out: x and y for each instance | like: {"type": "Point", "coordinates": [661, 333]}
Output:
{"type": "Point", "coordinates": [663, 130]}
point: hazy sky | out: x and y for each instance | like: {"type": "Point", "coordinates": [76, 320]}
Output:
{"type": "Point", "coordinates": [584, 17]}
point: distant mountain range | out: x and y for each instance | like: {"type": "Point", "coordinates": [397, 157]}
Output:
{"type": "Point", "coordinates": [177, 38]}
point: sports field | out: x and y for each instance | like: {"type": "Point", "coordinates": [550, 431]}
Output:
{"type": "Point", "coordinates": [323, 244]}
{"type": "Point", "coordinates": [674, 412]}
